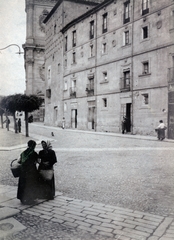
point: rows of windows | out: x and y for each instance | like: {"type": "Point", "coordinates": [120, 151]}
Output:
{"type": "Point", "coordinates": [126, 19]}
{"type": "Point", "coordinates": [126, 41]}
{"type": "Point", "coordinates": [144, 101]}
{"type": "Point", "coordinates": [125, 81]}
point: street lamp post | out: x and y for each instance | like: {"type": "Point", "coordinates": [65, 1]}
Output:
{"type": "Point", "coordinates": [13, 44]}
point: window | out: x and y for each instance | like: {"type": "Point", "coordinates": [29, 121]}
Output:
{"type": "Point", "coordinates": [91, 34]}
{"type": "Point", "coordinates": [91, 50]}
{"type": "Point", "coordinates": [74, 39]}
{"type": "Point", "coordinates": [65, 107]}
{"type": "Point", "coordinates": [104, 102]}
{"type": "Point", "coordinates": [73, 89]}
{"type": "Point", "coordinates": [48, 93]}
{"type": "Point", "coordinates": [126, 38]}
{"type": "Point", "coordinates": [55, 27]}
{"type": "Point", "coordinates": [90, 86]}
{"type": "Point", "coordinates": [58, 67]}
{"type": "Point", "coordinates": [74, 57]}
{"type": "Point", "coordinates": [105, 76]}
{"type": "Point", "coordinates": [73, 83]}
{"type": "Point", "coordinates": [145, 7]}
{"type": "Point", "coordinates": [127, 78]}
{"type": "Point", "coordinates": [65, 85]}
{"type": "Point", "coordinates": [104, 23]}
{"type": "Point", "coordinates": [145, 32]}
{"type": "Point", "coordinates": [49, 73]}
{"type": "Point", "coordinates": [126, 17]}
{"type": "Point", "coordinates": [65, 62]}
{"type": "Point", "coordinates": [145, 67]}
{"type": "Point", "coordinates": [145, 98]}
{"type": "Point", "coordinates": [66, 43]}
{"type": "Point", "coordinates": [103, 48]}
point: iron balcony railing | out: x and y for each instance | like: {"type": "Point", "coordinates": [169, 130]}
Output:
{"type": "Point", "coordinates": [125, 84]}
{"type": "Point", "coordinates": [73, 92]}
{"type": "Point", "coordinates": [171, 74]}
{"type": "Point", "coordinates": [90, 89]}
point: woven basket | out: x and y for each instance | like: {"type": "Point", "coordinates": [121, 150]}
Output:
{"type": "Point", "coordinates": [15, 168]}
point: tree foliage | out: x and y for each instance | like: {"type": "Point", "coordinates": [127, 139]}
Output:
{"type": "Point", "coordinates": [21, 102]}
{"type": "Point", "coordinates": [29, 103]}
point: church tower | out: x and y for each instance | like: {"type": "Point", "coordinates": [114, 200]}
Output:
{"type": "Point", "coordinates": [34, 47]}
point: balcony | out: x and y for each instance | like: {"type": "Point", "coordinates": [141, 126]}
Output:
{"type": "Point", "coordinates": [73, 92]}
{"type": "Point", "coordinates": [90, 89]}
{"type": "Point", "coordinates": [145, 11]}
{"type": "Point", "coordinates": [171, 75]}
{"type": "Point", "coordinates": [124, 84]}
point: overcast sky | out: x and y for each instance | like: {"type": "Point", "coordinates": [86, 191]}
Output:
{"type": "Point", "coordinates": [12, 30]}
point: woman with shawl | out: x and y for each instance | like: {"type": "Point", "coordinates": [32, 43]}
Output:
{"type": "Point", "coordinates": [47, 160]}
{"type": "Point", "coordinates": [28, 180]}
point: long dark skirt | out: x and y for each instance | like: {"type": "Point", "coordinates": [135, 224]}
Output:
{"type": "Point", "coordinates": [161, 134]}
{"type": "Point", "coordinates": [28, 187]}
{"type": "Point", "coordinates": [47, 188]}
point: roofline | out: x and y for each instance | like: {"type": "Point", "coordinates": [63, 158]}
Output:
{"type": "Point", "coordinates": [87, 14]}
{"type": "Point", "coordinates": [60, 1]}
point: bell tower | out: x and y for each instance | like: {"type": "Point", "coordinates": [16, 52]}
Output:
{"type": "Point", "coordinates": [34, 47]}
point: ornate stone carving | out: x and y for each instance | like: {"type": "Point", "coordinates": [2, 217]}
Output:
{"type": "Point", "coordinates": [41, 18]}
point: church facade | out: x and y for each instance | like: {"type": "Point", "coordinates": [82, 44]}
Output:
{"type": "Point", "coordinates": [112, 59]}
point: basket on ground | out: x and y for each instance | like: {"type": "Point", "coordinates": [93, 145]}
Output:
{"type": "Point", "coordinates": [15, 168]}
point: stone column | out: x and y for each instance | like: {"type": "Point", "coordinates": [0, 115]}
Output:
{"type": "Point", "coordinates": [30, 21]}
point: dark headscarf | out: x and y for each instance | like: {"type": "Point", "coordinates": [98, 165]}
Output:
{"type": "Point", "coordinates": [26, 154]}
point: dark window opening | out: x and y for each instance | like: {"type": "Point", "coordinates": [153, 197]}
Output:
{"type": "Point", "coordinates": [145, 32]}
{"type": "Point", "coordinates": [91, 34]}
{"type": "Point", "coordinates": [104, 23]}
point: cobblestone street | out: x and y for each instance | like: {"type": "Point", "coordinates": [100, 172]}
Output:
{"type": "Point", "coordinates": [127, 172]}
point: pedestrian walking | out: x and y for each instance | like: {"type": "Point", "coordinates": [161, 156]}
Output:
{"type": "Point", "coordinates": [19, 125]}
{"type": "Point", "coordinates": [63, 123]}
{"type": "Point", "coordinates": [7, 121]}
{"type": "Point", "coordinates": [28, 184]}
{"type": "Point", "coordinates": [161, 130]}
{"type": "Point", "coordinates": [47, 160]}
{"type": "Point", "coordinates": [124, 124]}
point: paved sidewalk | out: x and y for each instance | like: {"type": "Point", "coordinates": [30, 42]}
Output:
{"type": "Point", "coordinates": [95, 218]}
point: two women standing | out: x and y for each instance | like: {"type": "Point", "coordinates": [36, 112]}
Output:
{"type": "Point", "coordinates": [32, 185]}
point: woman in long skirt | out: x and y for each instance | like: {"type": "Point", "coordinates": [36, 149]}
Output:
{"type": "Point", "coordinates": [47, 160]}
{"type": "Point", "coordinates": [28, 181]}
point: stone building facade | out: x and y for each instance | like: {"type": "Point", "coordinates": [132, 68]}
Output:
{"type": "Point", "coordinates": [111, 60]}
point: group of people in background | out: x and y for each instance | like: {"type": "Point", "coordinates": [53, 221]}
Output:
{"type": "Point", "coordinates": [32, 185]}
